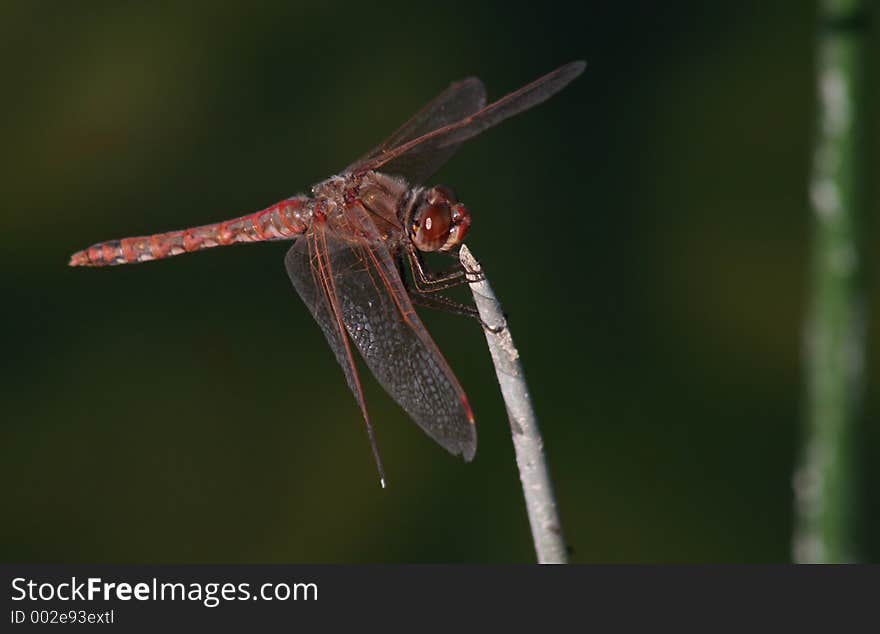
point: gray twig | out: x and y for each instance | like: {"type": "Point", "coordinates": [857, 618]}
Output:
{"type": "Point", "coordinates": [527, 442]}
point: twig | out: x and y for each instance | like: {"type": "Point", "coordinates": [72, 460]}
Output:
{"type": "Point", "coordinates": [527, 442]}
{"type": "Point", "coordinates": [826, 481]}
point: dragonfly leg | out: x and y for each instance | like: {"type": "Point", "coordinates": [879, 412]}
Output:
{"type": "Point", "coordinates": [435, 301]}
{"type": "Point", "coordinates": [427, 281]}
{"type": "Point", "coordinates": [428, 296]}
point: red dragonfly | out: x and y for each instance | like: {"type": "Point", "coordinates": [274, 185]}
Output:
{"type": "Point", "coordinates": [352, 237]}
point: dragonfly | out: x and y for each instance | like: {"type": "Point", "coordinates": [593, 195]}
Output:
{"type": "Point", "coordinates": [356, 235]}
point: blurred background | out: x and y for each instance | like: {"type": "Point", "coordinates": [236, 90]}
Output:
{"type": "Point", "coordinates": [647, 231]}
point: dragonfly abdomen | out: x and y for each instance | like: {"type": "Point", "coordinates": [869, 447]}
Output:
{"type": "Point", "coordinates": [281, 221]}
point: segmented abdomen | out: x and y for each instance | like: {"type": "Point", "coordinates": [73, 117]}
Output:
{"type": "Point", "coordinates": [281, 221]}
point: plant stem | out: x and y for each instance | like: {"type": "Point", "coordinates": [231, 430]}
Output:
{"type": "Point", "coordinates": [826, 481]}
{"type": "Point", "coordinates": [527, 442]}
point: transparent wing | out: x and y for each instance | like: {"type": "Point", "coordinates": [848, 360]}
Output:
{"type": "Point", "coordinates": [415, 158]}
{"type": "Point", "coordinates": [453, 104]}
{"type": "Point", "coordinates": [306, 271]}
{"type": "Point", "coordinates": [356, 283]}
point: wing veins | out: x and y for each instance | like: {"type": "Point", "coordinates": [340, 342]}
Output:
{"type": "Point", "coordinates": [328, 286]}
{"type": "Point", "coordinates": [529, 94]}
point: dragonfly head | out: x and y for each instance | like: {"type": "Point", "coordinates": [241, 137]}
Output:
{"type": "Point", "coordinates": [440, 222]}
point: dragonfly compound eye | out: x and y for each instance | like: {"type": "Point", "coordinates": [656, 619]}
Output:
{"type": "Point", "coordinates": [433, 226]}
{"type": "Point", "coordinates": [441, 194]}
{"type": "Point", "coordinates": [439, 226]}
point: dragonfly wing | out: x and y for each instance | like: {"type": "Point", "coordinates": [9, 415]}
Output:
{"type": "Point", "coordinates": [360, 283]}
{"type": "Point", "coordinates": [306, 274]}
{"type": "Point", "coordinates": [461, 99]}
{"type": "Point", "coordinates": [415, 155]}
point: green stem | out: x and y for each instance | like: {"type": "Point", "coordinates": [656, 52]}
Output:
{"type": "Point", "coordinates": [826, 481]}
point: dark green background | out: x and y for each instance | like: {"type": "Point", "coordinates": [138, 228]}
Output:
{"type": "Point", "coordinates": [647, 230]}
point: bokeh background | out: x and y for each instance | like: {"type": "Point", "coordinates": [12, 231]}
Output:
{"type": "Point", "coordinates": [647, 230]}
